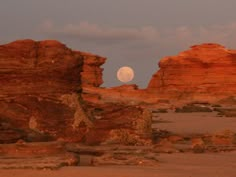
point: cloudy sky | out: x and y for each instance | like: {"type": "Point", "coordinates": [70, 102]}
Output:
{"type": "Point", "coordinates": [137, 33]}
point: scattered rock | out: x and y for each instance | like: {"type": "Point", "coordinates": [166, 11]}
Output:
{"type": "Point", "coordinates": [227, 112]}
{"type": "Point", "coordinates": [158, 135]}
{"type": "Point", "coordinates": [197, 142]}
{"type": "Point", "coordinates": [193, 108]}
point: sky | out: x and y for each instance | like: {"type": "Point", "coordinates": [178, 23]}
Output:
{"type": "Point", "coordinates": [135, 33]}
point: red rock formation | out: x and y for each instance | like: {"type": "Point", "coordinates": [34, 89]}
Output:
{"type": "Point", "coordinates": [37, 80]}
{"type": "Point", "coordinates": [40, 155]}
{"type": "Point", "coordinates": [91, 75]}
{"type": "Point", "coordinates": [125, 94]}
{"type": "Point", "coordinates": [41, 83]}
{"type": "Point", "coordinates": [119, 124]}
{"type": "Point", "coordinates": [205, 72]}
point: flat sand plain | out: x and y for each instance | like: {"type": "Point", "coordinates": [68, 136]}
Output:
{"type": "Point", "coordinates": [171, 165]}
{"type": "Point", "coordinates": [194, 123]}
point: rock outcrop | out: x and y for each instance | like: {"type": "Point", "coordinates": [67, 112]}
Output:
{"type": "Point", "coordinates": [40, 155]}
{"type": "Point", "coordinates": [124, 94]}
{"type": "Point", "coordinates": [91, 75]}
{"type": "Point", "coordinates": [37, 80]}
{"type": "Point", "coordinates": [43, 97]}
{"type": "Point", "coordinates": [205, 72]}
{"type": "Point", "coordinates": [119, 124]}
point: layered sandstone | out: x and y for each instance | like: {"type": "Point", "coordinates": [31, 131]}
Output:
{"type": "Point", "coordinates": [124, 94]}
{"type": "Point", "coordinates": [119, 124]}
{"type": "Point", "coordinates": [40, 155]}
{"type": "Point", "coordinates": [42, 87]}
{"type": "Point", "coordinates": [91, 75]}
{"type": "Point", "coordinates": [39, 85]}
{"type": "Point", "coordinates": [205, 72]}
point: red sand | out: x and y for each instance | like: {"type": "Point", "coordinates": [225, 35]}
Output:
{"type": "Point", "coordinates": [172, 165]}
{"type": "Point", "coordinates": [191, 123]}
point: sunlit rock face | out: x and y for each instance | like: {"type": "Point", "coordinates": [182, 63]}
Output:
{"type": "Point", "coordinates": [91, 75]}
{"type": "Point", "coordinates": [119, 124]}
{"type": "Point", "coordinates": [42, 87]}
{"type": "Point", "coordinates": [205, 72]}
{"type": "Point", "coordinates": [37, 80]}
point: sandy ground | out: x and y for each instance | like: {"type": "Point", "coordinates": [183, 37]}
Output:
{"type": "Point", "coordinates": [188, 123]}
{"type": "Point", "coordinates": [172, 165]}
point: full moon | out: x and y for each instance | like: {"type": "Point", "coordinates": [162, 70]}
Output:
{"type": "Point", "coordinates": [125, 74]}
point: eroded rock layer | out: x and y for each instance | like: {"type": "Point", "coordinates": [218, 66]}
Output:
{"type": "Point", "coordinates": [37, 78]}
{"type": "Point", "coordinates": [206, 72]}
{"type": "Point", "coordinates": [91, 75]}
{"type": "Point", "coordinates": [119, 124]}
{"type": "Point", "coordinates": [42, 87]}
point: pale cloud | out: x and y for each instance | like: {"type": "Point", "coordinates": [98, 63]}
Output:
{"type": "Point", "coordinates": [148, 35]}
{"type": "Point", "coordinates": [219, 33]}
{"type": "Point", "coordinates": [89, 31]}
{"type": "Point", "coordinates": [183, 32]}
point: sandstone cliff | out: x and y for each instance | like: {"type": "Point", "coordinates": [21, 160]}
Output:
{"type": "Point", "coordinates": [205, 72]}
{"type": "Point", "coordinates": [37, 80]}
{"type": "Point", "coordinates": [91, 75]}
{"type": "Point", "coordinates": [42, 87]}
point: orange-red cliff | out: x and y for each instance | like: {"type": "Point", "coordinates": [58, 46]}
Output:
{"type": "Point", "coordinates": [205, 72]}
{"type": "Point", "coordinates": [40, 82]}
{"type": "Point", "coordinates": [40, 96]}
{"type": "Point", "coordinates": [91, 75]}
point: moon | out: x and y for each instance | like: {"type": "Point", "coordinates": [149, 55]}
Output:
{"type": "Point", "coordinates": [125, 74]}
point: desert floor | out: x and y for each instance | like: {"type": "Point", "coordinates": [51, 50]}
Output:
{"type": "Point", "coordinates": [221, 164]}
{"type": "Point", "coordinates": [172, 165]}
{"type": "Point", "coordinates": [194, 123]}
